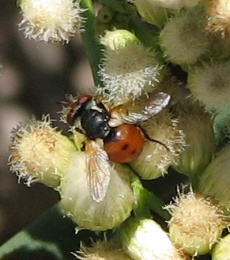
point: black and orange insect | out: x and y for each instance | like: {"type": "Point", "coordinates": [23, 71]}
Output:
{"type": "Point", "coordinates": [112, 133]}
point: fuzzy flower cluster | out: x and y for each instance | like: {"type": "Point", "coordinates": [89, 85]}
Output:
{"type": "Point", "coordinates": [181, 120]}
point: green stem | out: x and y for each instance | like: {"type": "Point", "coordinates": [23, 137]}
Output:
{"type": "Point", "coordinates": [156, 205]}
{"type": "Point", "coordinates": [146, 201]}
{"type": "Point", "coordinates": [92, 45]}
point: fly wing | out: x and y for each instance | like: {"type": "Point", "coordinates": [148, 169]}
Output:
{"type": "Point", "coordinates": [140, 110]}
{"type": "Point", "coordinates": [98, 176]}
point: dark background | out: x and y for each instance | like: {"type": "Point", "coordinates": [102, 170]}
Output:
{"type": "Point", "coordinates": [34, 77]}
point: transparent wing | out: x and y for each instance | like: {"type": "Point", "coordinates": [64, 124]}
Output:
{"type": "Point", "coordinates": [98, 176]}
{"type": "Point", "coordinates": [141, 109]}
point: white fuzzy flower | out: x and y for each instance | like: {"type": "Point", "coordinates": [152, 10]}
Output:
{"type": "Point", "coordinates": [158, 155]}
{"type": "Point", "coordinates": [197, 223]}
{"type": "Point", "coordinates": [128, 69]}
{"type": "Point", "coordinates": [53, 20]}
{"type": "Point", "coordinates": [218, 20]}
{"type": "Point", "coordinates": [210, 83]}
{"type": "Point", "coordinates": [183, 39]}
{"type": "Point", "coordinates": [102, 250]}
{"type": "Point", "coordinates": [39, 153]}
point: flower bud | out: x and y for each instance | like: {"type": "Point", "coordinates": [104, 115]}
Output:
{"type": "Point", "coordinates": [165, 148]}
{"type": "Point", "coordinates": [183, 39]}
{"type": "Point", "coordinates": [210, 84]}
{"type": "Point", "coordinates": [196, 223]}
{"type": "Point", "coordinates": [102, 250]}
{"type": "Point", "coordinates": [151, 13]}
{"type": "Point", "coordinates": [53, 20]}
{"type": "Point", "coordinates": [197, 126]}
{"type": "Point", "coordinates": [128, 69]}
{"type": "Point", "coordinates": [88, 213]}
{"type": "Point", "coordinates": [215, 180]}
{"type": "Point", "coordinates": [119, 39]}
{"type": "Point", "coordinates": [39, 153]}
{"type": "Point", "coordinates": [145, 239]}
{"type": "Point", "coordinates": [221, 251]}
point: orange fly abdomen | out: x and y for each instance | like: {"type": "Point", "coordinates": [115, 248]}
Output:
{"type": "Point", "coordinates": [124, 143]}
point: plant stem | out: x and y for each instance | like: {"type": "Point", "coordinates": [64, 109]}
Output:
{"type": "Point", "coordinates": [146, 201]}
{"type": "Point", "coordinates": [92, 45]}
